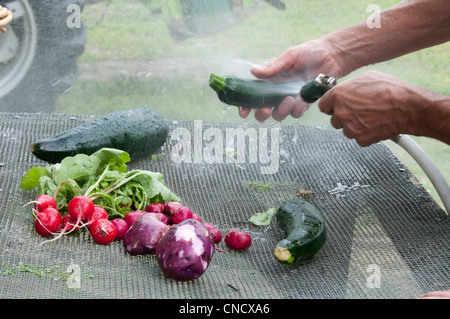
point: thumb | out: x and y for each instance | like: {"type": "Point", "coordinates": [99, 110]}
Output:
{"type": "Point", "coordinates": [269, 69]}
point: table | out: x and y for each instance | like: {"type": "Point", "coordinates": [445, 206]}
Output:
{"type": "Point", "coordinates": [387, 238]}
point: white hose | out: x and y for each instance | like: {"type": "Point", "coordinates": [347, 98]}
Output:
{"type": "Point", "coordinates": [428, 166]}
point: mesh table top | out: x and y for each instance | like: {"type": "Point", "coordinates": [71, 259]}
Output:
{"type": "Point", "coordinates": [387, 238]}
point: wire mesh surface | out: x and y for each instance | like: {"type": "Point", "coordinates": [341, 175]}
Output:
{"type": "Point", "coordinates": [387, 238]}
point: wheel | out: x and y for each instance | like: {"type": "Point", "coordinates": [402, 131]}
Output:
{"type": "Point", "coordinates": [38, 54]}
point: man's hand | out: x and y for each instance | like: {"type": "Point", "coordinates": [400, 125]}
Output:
{"type": "Point", "coordinates": [374, 107]}
{"type": "Point", "coordinates": [304, 61]}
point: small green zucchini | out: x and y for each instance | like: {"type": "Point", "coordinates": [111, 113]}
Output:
{"type": "Point", "coordinates": [139, 132]}
{"type": "Point", "coordinates": [252, 93]}
{"type": "Point", "coordinates": [305, 232]}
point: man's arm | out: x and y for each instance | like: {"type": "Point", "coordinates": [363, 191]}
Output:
{"type": "Point", "coordinates": [404, 28]}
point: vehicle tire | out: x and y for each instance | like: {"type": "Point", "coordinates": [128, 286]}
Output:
{"type": "Point", "coordinates": [38, 54]}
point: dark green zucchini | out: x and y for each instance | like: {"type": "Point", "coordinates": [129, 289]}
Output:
{"type": "Point", "coordinates": [139, 132]}
{"type": "Point", "coordinates": [305, 230]}
{"type": "Point", "coordinates": [252, 93]}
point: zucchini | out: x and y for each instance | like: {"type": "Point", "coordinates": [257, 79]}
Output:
{"type": "Point", "coordinates": [139, 132]}
{"type": "Point", "coordinates": [305, 230]}
{"type": "Point", "coordinates": [252, 93]}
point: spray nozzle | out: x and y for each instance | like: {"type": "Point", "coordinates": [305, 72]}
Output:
{"type": "Point", "coordinates": [312, 91]}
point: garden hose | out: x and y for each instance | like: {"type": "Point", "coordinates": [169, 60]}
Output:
{"type": "Point", "coordinates": [428, 166]}
{"type": "Point", "coordinates": [313, 90]}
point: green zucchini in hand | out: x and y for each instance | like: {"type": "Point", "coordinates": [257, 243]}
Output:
{"type": "Point", "coordinates": [139, 132]}
{"type": "Point", "coordinates": [305, 232]}
{"type": "Point", "coordinates": [252, 93]}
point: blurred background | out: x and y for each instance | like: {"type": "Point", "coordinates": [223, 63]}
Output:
{"type": "Point", "coordinates": [97, 56]}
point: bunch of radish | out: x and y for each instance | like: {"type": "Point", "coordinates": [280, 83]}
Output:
{"type": "Point", "coordinates": [81, 212]}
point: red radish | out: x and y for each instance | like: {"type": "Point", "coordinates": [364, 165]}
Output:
{"type": "Point", "coordinates": [98, 213]}
{"type": "Point", "coordinates": [155, 208]}
{"type": "Point", "coordinates": [69, 224]}
{"type": "Point", "coordinates": [103, 231]}
{"type": "Point", "coordinates": [196, 217]}
{"type": "Point", "coordinates": [133, 216]}
{"type": "Point", "coordinates": [161, 217]}
{"type": "Point", "coordinates": [121, 227]}
{"type": "Point", "coordinates": [238, 240]}
{"type": "Point", "coordinates": [180, 215]}
{"type": "Point", "coordinates": [171, 208]}
{"type": "Point", "coordinates": [48, 222]}
{"type": "Point", "coordinates": [80, 208]}
{"type": "Point", "coordinates": [215, 233]}
{"type": "Point", "coordinates": [44, 201]}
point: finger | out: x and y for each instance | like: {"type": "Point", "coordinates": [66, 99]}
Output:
{"type": "Point", "coordinates": [284, 109]}
{"type": "Point", "coordinates": [300, 108]}
{"type": "Point", "coordinates": [274, 66]}
{"type": "Point", "coordinates": [336, 122]}
{"type": "Point", "coordinates": [326, 103]}
{"type": "Point", "coordinates": [244, 112]}
{"type": "Point", "coordinates": [266, 70]}
{"type": "Point", "coordinates": [263, 114]}
{"type": "Point", "coordinates": [364, 143]}
{"type": "Point", "coordinates": [347, 132]}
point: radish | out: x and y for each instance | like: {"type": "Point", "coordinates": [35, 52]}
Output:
{"type": "Point", "coordinates": [161, 217]}
{"type": "Point", "coordinates": [196, 217]}
{"type": "Point", "coordinates": [80, 208]}
{"type": "Point", "coordinates": [121, 227]}
{"type": "Point", "coordinates": [180, 215]}
{"type": "Point", "coordinates": [98, 213]}
{"type": "Point", "coordinates": [69, 224]}
{"type": "Point", "coordinates": [42, 202]}
{"type": "Point", "coordinates": [155, 208]}
{"type": "Point", "coordinates": [171, 208]}
{"type": "Point", "coordinates": [215, 233]}
{"type": "Point", "coordinates": [48, 222]}
{"type": "Point", "coordinates": [238, 240]}
{"type": "Point", "coordinates": [103, 231]}
{"type": "Point", "coordinates": [133, 216]}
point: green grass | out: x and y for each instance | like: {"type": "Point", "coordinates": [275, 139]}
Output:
{"type": "Point", "coordinates": [128, 31]}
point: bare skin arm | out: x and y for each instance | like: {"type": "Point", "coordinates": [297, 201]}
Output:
{"type": "Point", "coordinates": [407, 27]}
{"type": "Point", "coordinates": [410, 26]}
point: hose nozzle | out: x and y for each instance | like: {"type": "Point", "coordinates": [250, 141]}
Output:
{"type": "Point", "coordinates": [314, 90]}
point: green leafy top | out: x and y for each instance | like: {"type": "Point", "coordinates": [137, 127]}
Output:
{"type": "Point", "coordinates": [103, 177]}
